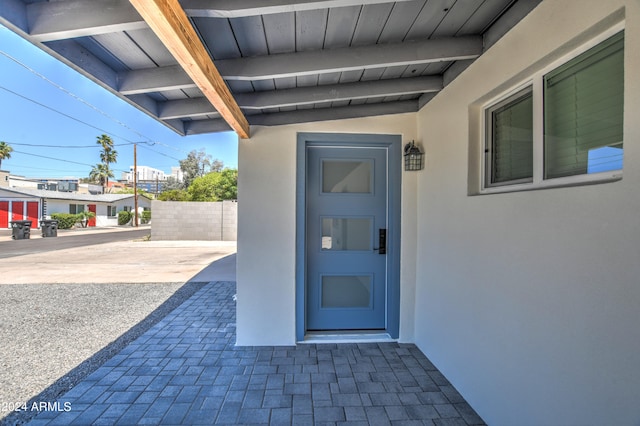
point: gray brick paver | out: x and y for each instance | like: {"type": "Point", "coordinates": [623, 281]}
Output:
{"type": "Point", "coordinates": [302, 404]}
{"type": "Point", "coordinates": [132, 414]}
{"type": "Point", "coordinates": [329, 414]}
{"type": "Point", "coordinates": [187, 370]}
{"type": "Point", "coordinates": [302, 420]}
{"type": "Point", "coordinates": [176, 413]}
{"type": "Point", "coordinates": [254, 416]}
{"type": "Point", "coordinates": [280, 416]}
{"type": "Point", "coordinates": [377, 416]}
{"type": "Point", "coordinates": [354, 414]}
{"type": "Point", "coordinates": [454, 421]}
{"type": "Point", "coordinates": [122, 397]}
{"type": "Point", "coordinates": [88, 416]}
{"type": "Point", "coordinates": [188, 393]}
{"type": "Point", "coordinates": [346, 400]}
{"type": "Point", "coordinates": [160, 406]}
{"type": "Point", "coordinates": [396, 413]}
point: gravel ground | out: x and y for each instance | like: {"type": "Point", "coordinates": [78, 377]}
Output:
{"type": "Point", "coordinates": [53, 335]}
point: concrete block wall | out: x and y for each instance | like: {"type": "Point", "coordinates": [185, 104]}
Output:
{"type": "Point", "coordinates": [229, 221]}
{"type": "Point", "coordinates": [180, 220]}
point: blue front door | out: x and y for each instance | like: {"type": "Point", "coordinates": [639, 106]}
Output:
{"type": "Point", "coordinates": [346, 218]}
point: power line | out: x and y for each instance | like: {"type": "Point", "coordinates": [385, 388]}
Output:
{"type": "Point", "coordinates": [59, 112]}
{"type": "Point", "coordinates": [158, 152]}
{"type": "Point", "coordinates": [172, 147]}
{"type": "Point", "coordinates": [73, 95]}
{"type": "Point", "coordinates": [65, 146]}
{"type": "Point", "coordinates": [146, 144]}
{"type": "Point", "coordinates": [63, 160]}
{"type": "Point", "coordinates": [13, 167]}
{"type": "Point", "coordinates": [142, 144]}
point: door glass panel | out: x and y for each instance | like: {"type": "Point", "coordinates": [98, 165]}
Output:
{"type": "Point", "coordinates": [346, 291]}
{"type": "Point", "coordinates": [346, 233]}
{"type": "Point", "coordinates": [346, 176]}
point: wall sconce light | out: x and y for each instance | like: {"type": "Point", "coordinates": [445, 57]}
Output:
{"type": "Point", "coordinates": [412, 157]}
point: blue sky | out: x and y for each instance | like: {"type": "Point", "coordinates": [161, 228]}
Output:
{"type": "Point", "coordinates": [35, 112]}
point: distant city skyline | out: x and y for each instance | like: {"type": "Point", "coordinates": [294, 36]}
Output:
{"type": "Point", "coordinates": [52, 124]}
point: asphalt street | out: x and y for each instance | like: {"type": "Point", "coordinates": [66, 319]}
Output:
{"type": "Point", "coordinates": [12, 248]}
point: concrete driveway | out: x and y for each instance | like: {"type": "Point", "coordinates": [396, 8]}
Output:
{"type": "Point", "coordinates": [71, 302]}
{"type": "Point", "coordinates": [133, 260]}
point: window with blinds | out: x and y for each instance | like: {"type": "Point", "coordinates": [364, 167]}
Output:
{"type": "Point", "coordinates": [577, 108]}
{"type": "Point", "coordinates": [511, 151]}
{"type": "Point", "coordinates": [583, 110]}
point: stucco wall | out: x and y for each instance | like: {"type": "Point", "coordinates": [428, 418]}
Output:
{"type": "Point", "coordinates": [62, 206]}
{"type": "Point", "coordinates": [178, 220]}
{"type": "Point", "coordinates": [267, 227]}
{"type": "Point", "coordinates": [529, 302]}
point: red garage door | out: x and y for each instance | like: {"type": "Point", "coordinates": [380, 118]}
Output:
{"type": "Point", "coordinates": [4, 214]}
{"type": "Point", "coordinates": [17, 210]}
{"type": "Point", "coordinates": [32, 213]}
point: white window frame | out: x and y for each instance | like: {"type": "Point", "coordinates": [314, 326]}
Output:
{"type": "Point", "coordinates": [536, 82]}
{"type": "Point", "coordinates": [488, 111]}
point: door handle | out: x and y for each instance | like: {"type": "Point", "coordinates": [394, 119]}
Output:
{"type": "Point", "coordinates": [382, 241]}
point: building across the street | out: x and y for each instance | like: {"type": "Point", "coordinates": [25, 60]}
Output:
{"type": "Point", "coordinates": [144, 173]}
{"type": "Point", "coordinates": [38, 204]}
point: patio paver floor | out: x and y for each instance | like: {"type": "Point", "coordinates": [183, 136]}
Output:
{"type": "Point", "coordinates": [187, 370]}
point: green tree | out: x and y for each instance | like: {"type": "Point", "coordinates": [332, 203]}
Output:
{"type": "Point", "coordinates": [108, 155]}
{"type": "Point", "coordinates": [217, 165]}
{"type": "Point", "coordinates": [215, 186]}
{"type": "Point", "coordinates": [174, 195]}
{"type": "Point", "coordinates": [140, 192]}
{"type": "Point", "coordinates": [5, 152]}
{"type": "Point", "coordinates": [100, 173]}
{"type": "Point", "coordinates": [197, 164]}
{"type": "Point", "coordinates": [172, 183]}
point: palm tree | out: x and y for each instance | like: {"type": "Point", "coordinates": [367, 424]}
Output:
{"type": "Point", "coordinates": [100, 173]}
{"type": "Point", "coordinates": [108, 155]}
{"type": "Point", "coordinates": [5, 152]}
{"type": "Point", "coordinates": [105, 141]}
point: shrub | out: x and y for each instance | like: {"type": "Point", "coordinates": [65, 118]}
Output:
{"type": "Point", "coordinates": [174, 195]}
{"type": "Point", "coordinates": [124, 217]}
{"type": "Point", "coordinates": [146, 216]}
{"type": "Point", "coordinates": [65, 220]}
{"type": "Point", "coordinates": [84, 217]}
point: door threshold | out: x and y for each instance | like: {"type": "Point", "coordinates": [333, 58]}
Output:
{"type": "Point", "coordinates": [348, 336]}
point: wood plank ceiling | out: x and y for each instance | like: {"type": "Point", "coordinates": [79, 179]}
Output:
{"type": "Point", "coordinates": [283, 61]}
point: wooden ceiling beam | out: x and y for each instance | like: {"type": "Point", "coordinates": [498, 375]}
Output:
{"type": "Point", "coordinates": [169, 22]}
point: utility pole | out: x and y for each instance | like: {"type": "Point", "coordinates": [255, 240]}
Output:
{"type": "Point", "coordinates": [135, 185]}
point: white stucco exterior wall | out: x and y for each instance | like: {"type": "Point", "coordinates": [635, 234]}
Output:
{"type": "Point", "coordinates": [62, 206]}
{"type": "Point", "coordinates": [267, 227]}
{"type": "Point", "coordinates": [529, 302]}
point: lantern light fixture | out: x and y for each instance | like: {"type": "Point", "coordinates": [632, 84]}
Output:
{"type": "Point", "coordinates": [412, 157]}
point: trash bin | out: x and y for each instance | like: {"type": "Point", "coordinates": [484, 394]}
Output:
{"type": "Point", "coordinates": [49, 228]}
{"type": "Point", "coordinates": [21, 229]}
